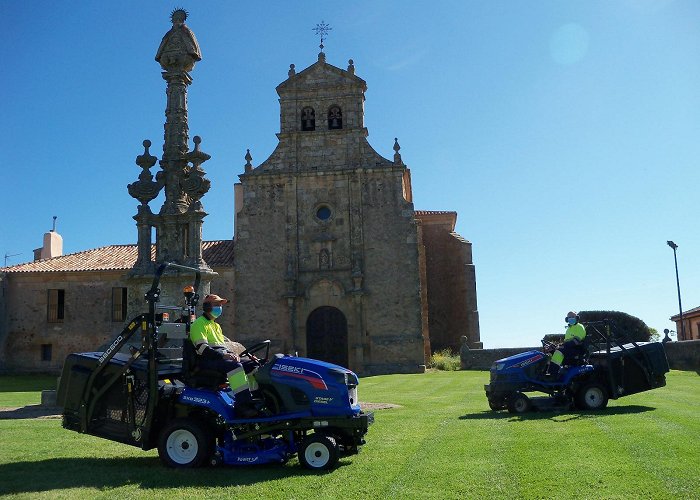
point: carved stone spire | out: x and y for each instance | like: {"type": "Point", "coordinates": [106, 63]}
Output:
{"type": "Point", "coordinates": [179, 222]}
{"type": "Point", "coordinates": [177, 55]}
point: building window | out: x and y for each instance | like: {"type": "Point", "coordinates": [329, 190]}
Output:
{"type": "Point", "coordinates": [335, 118]}
{"type": "Point", "coordinates": [56, 306]}
{"type": "Point", "coordinates": [118, 304]}
{"type": "Point", "coordinates": [308, 119]}
{"type": "Point", "coordinates": [323, 213]}
{"type": "Point", "coordinates": [46, 352]}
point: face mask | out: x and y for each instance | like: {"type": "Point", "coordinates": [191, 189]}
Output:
{"type": "Point", "coordinates": [571, 321]}
{"type": "Point", "coordinates": [216, 311]}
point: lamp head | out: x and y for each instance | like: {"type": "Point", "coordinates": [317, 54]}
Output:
{"type": "Point", "coordinates": [671, 244]}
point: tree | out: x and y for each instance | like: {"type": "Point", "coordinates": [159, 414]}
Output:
{"type": "Point", "coordinates": [654, 335]}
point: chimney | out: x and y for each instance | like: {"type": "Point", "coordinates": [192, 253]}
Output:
{"type": "Point", "coordinates": [53, 245]}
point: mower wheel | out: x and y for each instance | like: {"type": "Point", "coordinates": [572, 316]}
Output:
{"type": "Point", "coordinates": [494, 406]}
{"type": "Point", "coordinates": [591, 396]}
{"type": "Point", "coordinates": [519, 403]}
{"type": "Point", "coordinates": [185, 443]}
{"type": "Point", "coordinates": [318, 452]}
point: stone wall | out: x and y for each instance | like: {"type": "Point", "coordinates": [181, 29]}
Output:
{"type": "Point", "coordinates": [87, 320]}
{"type": "Point", "coordinates": [451, 283]}
{"type": "Point", "coordinates": [482, 359]}
{"type": "Point", "coordinates": [681, 355]}
{"type": "Point", "coordinates": [684, 355]}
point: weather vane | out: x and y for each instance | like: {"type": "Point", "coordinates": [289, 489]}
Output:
{"type": "Point", "coordinates": [322, 30]}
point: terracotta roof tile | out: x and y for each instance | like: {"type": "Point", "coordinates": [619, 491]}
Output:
{"type": "Point", "coordinates": [435, 212]}
{"type": "Point", "coordinates": [689, 312]}
{"type": "Point", "coordinates": [117, 257]}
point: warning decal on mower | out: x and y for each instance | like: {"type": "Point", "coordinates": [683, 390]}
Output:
{"type": "Point", "coordinates": [296, 372]}
{"type": "Point", "coordinates": [529, 361]}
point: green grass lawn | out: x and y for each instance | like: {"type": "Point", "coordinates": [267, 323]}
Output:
{"type": "Point", "coordinates": [442, 442]}
{"type": "Point", "coordinates": [22, 391]}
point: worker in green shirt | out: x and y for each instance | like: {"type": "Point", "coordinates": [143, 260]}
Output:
{"type": "Point", "coordinates": [210, 347]}
{"type": "Point", "coordinates": [572, 346]}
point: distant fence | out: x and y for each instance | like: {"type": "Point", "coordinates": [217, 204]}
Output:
{"type": "Point", "coordinates": [684, 355]}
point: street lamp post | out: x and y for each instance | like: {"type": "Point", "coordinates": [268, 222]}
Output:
{"type": "Point", "coordinates": [678, 285]}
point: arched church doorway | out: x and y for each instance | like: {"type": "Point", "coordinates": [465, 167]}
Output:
{"type": "Point", "coordinates": [327, 335]}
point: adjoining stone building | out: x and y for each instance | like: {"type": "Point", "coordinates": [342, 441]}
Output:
{"type": "Point", "coordinates": [52, 307]}
{"type": "Point", "coordinates": [330, 259]}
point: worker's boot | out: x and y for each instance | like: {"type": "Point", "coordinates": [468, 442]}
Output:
{"type": "Point", "coordinates": [248, 407]}
{"type": "Point", "coordinates": [552, 372]}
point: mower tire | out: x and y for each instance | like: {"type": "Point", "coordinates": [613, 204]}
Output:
{"type": "Point", "coordinates": [185, 443]}
{"type": "Point", "coordinates": [591, 396]}
{"type": "Point", "coordinates": [318, 452]}
{"type": "Point", "coordinates": [519, 403]}
{"type": "Point", "coordinates": [495, 406]}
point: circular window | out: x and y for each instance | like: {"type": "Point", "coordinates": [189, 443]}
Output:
{"type": "Point", "coordinates": [323, 213]}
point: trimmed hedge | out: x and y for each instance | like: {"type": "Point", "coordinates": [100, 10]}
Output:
{"type": "Point", "coordinates": [623, 325]}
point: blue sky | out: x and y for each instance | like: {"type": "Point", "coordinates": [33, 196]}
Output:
{"type": "Point", "coordinates": [565, 134]}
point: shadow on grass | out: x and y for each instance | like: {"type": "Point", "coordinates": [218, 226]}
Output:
{"type": "Point", "coordinates": [146, 472]}
{"type": "Point", "coordinates": [556, 416]}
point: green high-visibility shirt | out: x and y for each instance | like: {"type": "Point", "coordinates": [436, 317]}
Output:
{"type": "Point", "coordinates": [207, 336]}
{"type": "Point", "coordinates": [577, 331]}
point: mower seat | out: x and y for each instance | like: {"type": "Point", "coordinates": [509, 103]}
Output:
{"type": "Point", "coordinates": [580, 358]}
{"type": "Point", "coordinates": [197, 377]}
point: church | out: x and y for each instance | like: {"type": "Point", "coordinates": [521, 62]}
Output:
{"type": "Point", "coordinates": [329, 260]}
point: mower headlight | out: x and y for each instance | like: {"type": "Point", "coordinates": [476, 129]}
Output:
{"type": "Point", "coordinates": [499, 366]}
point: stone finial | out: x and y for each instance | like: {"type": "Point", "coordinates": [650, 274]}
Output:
{"type": "Point", "coordinates": [351, 67]}
{"type": "Point", "coordinates": [397, 155]}
{"type": "Point", "coordinates": [179, 50]}
{"type": "Point", "coordinates": [322, 57]}
{"type": "Point", "coordinates": [248, 159]}
{"type": "Point", "coordinates": [291, 71]}
{"type": "Point", "coordinates": [194, 184]}
{"type": "Point", "coordinates": [145, 189]}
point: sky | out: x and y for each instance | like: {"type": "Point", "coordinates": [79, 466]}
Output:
{"type": "Point", "coordinates": [565, 134]}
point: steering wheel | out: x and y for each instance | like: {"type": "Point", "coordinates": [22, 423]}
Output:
{"type": "Point", "coordinates": [547, 345]}
{"type": "Point", "coordinates": [250, 352]}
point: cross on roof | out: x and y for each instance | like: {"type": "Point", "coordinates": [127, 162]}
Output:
{"type": "Point", "coordinates": [322, 30]}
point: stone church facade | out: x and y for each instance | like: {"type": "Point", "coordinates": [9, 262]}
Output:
{"type": "Point", "coordinates": [330, 259]}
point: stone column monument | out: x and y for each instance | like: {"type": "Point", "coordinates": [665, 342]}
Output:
{"type": "Point", "coordinates": [178, 224]}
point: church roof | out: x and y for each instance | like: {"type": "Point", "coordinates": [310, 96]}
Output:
{"type": "Point", "coordinates": [320, 73]}
{"type": "Point", "coordinates": [117, 258]}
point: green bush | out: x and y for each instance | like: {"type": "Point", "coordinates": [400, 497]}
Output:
{"type": "Point", "coordinates": [444, 360]}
